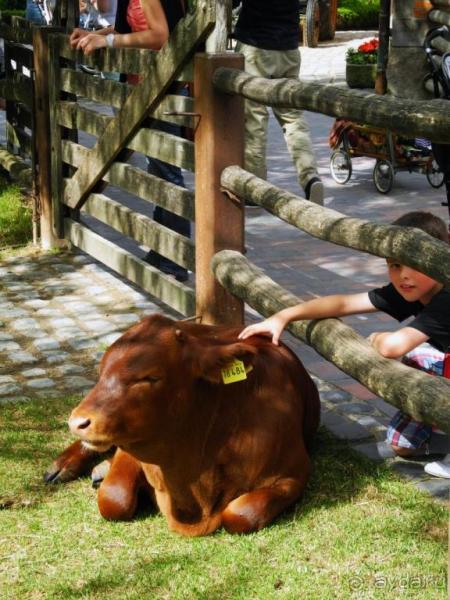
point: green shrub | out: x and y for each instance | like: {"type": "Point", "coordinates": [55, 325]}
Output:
{"type": "Point", "coordinates": [358, 14]}
{"type": "Point", "coordinates": [12, 5]}
{"type": "Point", "coordinates": [15, 216]}
{"type": "Point", "coordinates": [10, 13]}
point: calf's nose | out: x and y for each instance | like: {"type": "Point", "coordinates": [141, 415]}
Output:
{"type": "Point", "coordinates": [78, 424]}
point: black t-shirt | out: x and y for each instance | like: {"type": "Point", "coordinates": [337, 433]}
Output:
{"type": "Point", "coordinates": [432, 319]}
{"type": "Point", "coordinates": [269, 24]}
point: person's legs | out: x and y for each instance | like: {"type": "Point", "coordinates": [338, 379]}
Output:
{"type": "Point", "coordinates": [409, 437]}
{"type": "Point", "coordinates": [172, 174]}
{"type": "Point", "coordinates": [296, 130]}
{"type": "Point", "coordinates": [256, 115]}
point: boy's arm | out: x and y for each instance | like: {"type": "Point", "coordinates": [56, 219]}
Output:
{"type": "Point", "coordinates": [394, 344]}
{"type": "Point", "coordinates": [338, 305]}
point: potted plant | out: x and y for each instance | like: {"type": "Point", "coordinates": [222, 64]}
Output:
{"type": "Point", "coordinates": [361, 65]}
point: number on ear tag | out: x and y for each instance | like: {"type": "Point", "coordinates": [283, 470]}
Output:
{"type": "Point", "coordinates": [233, 372]}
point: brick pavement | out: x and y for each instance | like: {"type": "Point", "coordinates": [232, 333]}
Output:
{"type": "Point", "coordinates": [45, 349]}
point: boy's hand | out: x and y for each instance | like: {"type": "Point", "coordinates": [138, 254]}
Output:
{"type": "Point", "coordinates": [271, 327]}
{"type": "Point", "coordinates": [371, 338]}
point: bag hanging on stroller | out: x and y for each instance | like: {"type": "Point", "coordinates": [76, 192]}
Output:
{"type": "Point", "coordinates": [440, 72]}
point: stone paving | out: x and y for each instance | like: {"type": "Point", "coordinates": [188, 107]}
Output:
{"type": "Point", "coordinates": [59, 312]}
{"type": "Point", "coordinates": [57, 316]}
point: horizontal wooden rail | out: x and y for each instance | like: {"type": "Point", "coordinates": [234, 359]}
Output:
{"type": "Point", "coordinates": [22, 55]}
{"type": "Point", "coordinates": [430, 118]}
{"type": "Point", "coordinates": [418, 394]}
{"type": "Point", "coordinates": [17, 88]}
{"type": "Point", "coordinates": [409, 246]}
{"type": "Point", "coordinates": [173, 108]}
{"type": "Point", "coordinates": [21, 139]}
{"type": "Point", "coordinates": [163, 146]}
{"type": "Point", "coordinates": [174, 294]}
{"type": "Point", "coordinates": [117, 60]}
{"type": "Point", "coordinates": [106, 91]}
{"type": "Point", "coordinates": [142, 229]}
{"type": "Point", "coordinates": [17, 168]}
{"type": "Point", "coordinates": [23, 116]}
{"type": "Point", "coordinates": [135, 181]}
{"type": "Point", "coordinates": [16, 29]}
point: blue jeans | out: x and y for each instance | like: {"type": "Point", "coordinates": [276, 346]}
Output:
{"type": "Point", "coordinates": [179, 224]}
{"type": "Point", "coordinates": [33, 13]}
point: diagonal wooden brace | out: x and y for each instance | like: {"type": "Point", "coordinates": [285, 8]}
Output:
{"type": "Point", "coordinates": [144, 99]}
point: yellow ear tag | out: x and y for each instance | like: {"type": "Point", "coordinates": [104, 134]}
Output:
{"type": "Point", "coordinates": [235, 371]}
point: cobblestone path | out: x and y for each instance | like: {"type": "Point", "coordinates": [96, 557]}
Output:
{"type": "Point", "coordinates": [57, 316]}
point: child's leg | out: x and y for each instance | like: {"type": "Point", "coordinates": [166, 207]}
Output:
{"type": "Point", "coordinates": [407, 436]}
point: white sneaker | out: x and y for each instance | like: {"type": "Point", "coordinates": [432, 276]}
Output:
{"type": "Point", "coordinates": [439, 468]}
{"type": "Point", "coordinates": [314, 191]}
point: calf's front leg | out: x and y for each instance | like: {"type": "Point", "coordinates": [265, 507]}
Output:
{"type": "Point", "coordinates": [256, 509]}
{"type": "Point", "coordinates": [119, 491]}
{"type": "Point", "coordinates": [75, 461]}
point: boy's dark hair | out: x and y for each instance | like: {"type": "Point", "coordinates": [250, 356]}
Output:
{"type": "Point", "coordinates": [425, 221]}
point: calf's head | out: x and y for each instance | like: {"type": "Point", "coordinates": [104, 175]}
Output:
{"type": "Point", "coordinates": [146, 381]}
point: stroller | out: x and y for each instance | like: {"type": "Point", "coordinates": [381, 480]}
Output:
{"type": "Point", "coordinates": [440, 75]}
{"type": "Point", "coordinates": [392, 154]}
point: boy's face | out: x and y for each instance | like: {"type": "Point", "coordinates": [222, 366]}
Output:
{"type": "Point", "coordinates": [412, 285]}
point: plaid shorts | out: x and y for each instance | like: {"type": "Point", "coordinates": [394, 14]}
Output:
{"type": "Point", "coordinates": [402, 430]}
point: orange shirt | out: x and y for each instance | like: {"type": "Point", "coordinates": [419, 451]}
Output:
{"type": "Point", "coordinates": [135, 16]}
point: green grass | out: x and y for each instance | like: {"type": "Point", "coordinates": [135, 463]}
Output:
{"type": "Point", "coordinates": [357, 524]}
{"type": "Point", "coordinates": [15, 216]}
{"type": "Point", "coordinates": [358, 14]}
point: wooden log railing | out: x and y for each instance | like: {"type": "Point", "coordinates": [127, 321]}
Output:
{"type": "Point", "coordinates": [412, 118]}
{"type": "Point", "coordinates": [416, 393]}
{"type": "Point", "coordinates": [408, 245]}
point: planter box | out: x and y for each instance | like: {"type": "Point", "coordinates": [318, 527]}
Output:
{"type": "Point", "coordinates": [360, 76]}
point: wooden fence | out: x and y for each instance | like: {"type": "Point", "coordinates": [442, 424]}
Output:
{"type": "Point", "coordinates": [73, 179]}
{"type": "Point", "coordinates": [423, 397]}
{"type": "Point", "coordinates": [96, 124]}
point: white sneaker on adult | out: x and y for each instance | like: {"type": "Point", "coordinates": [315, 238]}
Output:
{"type": "Point", "coordinates": [439, 468]}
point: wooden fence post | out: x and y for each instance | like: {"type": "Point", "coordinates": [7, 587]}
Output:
{"type": "Point", "coordinates": [219, 220]}
{"type": "Point", "coordinates": [42, 133]}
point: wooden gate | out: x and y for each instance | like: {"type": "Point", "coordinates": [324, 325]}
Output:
{"type": "Point", "coordinates": [80, 173]}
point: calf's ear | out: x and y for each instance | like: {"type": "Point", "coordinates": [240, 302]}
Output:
{"type": "Point", "coordinates": [212, 359]}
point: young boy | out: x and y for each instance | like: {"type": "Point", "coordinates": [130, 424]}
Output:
{"type": "Point", "coordinates": [421, 343]}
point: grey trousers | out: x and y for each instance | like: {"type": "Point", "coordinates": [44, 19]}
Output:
{"type": "Point", "coordinates": [274, 64]}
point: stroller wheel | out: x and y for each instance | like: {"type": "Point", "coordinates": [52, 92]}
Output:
{"type": "Point", "coordinates": [434, 174]}
{"type": "Point", "coordinates": [383, 176]}
{"type": "Point", "coordinates": [340, 166]}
